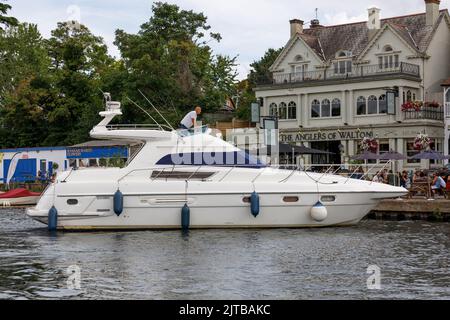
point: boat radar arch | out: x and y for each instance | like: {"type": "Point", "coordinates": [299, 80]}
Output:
{"type": "Point", "coordinates": [113, 109]}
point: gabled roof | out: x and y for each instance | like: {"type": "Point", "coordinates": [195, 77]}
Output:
{"type": "Point", "coordinates": [405, 34]}
{"type": "Point", "coordinates": [326, 41]}
{"type": "Point", "coordinates": [313, 43]}
{"type": "Point", "coordinates": [400, 31]}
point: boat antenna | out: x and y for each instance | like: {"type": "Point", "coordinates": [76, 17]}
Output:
{"type": "Point", "coordinates": [148, 114]}
{"type": "Point", "coordinates": [168, 123]}
{"type": "Point", "coordinates": [165, 99]}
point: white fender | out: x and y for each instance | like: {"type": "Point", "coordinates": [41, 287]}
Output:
{"type": "Point", "coordinates": [319, 213]}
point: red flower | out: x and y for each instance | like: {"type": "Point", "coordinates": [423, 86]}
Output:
{"type": "Point", "coordinates": [432, 104]}
{"type": "Point", "coordinates": [412, 105]}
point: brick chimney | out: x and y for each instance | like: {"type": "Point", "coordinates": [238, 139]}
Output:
{"type": "Point", "coordinates": [374, 22]}
{"type": "Point", "coordinates": [432, 11]}
{"type": "Point", "coordinates": [296, 27]}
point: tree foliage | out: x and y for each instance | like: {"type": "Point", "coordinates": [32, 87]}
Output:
{"type": "Point", "coordinates": [170, 61]}
{"type": "Point", "coordinates": [5, 20]}
{"type": "Point", "coordinates": [51, 89]}
{"type": "Point", "coordinates": [260, 69]}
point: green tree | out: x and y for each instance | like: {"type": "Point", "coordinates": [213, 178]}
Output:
{"type": "Point", "coordinates": [51, 92]}
{"type": "Point", "coordinates": [79, 60]}
{"type": "Point", "coordinates": [171, 62]}
{"type": "Point", "coordinates": [23, 116]}
{"type": "Point", "coordinates": [260, 68]}
{"type": "Point", "coordinates": [5, 20]}
{"type": "Point", "coordinates": [22, 55]}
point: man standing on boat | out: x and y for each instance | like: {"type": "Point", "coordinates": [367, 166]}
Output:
{"type": "Point", "coordinates": [190, 120]}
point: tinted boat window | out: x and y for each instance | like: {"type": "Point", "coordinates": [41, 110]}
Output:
{"type": "Point", "coordinates": [328, 199]}
{"type": "Point", "coordinates": [72, 202]}
{"type": "Point", "coordinates": [291, 199]}
{"type": "Point", "coordinates": [246, 200]}
{"type": "Point", "coordinates": [181, 175]}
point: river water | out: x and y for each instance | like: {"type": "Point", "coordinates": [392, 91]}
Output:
{"type": "Point", "coordinates": [413, 259]}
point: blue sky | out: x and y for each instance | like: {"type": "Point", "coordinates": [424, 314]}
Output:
{"type": "Point", "coordinates": [248, 27]}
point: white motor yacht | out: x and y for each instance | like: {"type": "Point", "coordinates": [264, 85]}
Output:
{"type": "Point", "coordinates": [197, 180]}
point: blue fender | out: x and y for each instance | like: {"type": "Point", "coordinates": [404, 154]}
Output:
{"type": "Point", "coordinates": [52, 219]}
{"type": "Point", "coordinates": [254, 200]}
{"type": "Point", "coordinates": [185, 217]}
{"type": "Point", "coordinates": [118, 203]}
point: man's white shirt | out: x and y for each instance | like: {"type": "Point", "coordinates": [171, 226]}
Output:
{"type": "Point", "coordinates": [187, 120]}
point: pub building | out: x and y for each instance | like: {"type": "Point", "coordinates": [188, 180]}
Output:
{"type": "Point", "coordinates": [331, 86]}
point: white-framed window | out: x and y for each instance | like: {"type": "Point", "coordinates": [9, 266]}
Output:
{"type": "Point", "coordinates": [326, 108]}
{"type": "Point", "coordinates": [389, 59]}
{"type": "Point", "coordinates": [409, 96]}
{"type": "Point", "coordinates": [343, 66]}
{"type": "Point", "coordinates": [343, 63]}
{"type": "Point", "coordinates": [300, 69]}
{"type": "Point", "coordinates": [382, 104]}
{"type": "Point", "coordinates": [292, 110]}
{"type": "Point", "coordinates": [298, 58]}
{"type": "Point", "coordinates": [411, 151]}
{"type": "Point", "coordinates": [273, 110]}
{"type": "Point", "coordinates": [371, 105]}
{"type": "Point", "coordinates": [282, 111]}
{"type": "Point", "coordinates": [315, 109]}
{"type": "Point", "coordinates": [361, 106]}
{"type": "Point", "coordinates": [336, 108]}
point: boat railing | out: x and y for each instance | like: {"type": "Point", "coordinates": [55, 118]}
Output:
{"type": "Point", "coordinates": [139, 127]}
{"type": "Point", "coordinates": [196, 169]}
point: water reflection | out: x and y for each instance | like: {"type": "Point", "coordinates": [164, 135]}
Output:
{"type": "Point", "coordinates": [225, 264]}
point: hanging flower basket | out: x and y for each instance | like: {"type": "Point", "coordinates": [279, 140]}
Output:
{"type": "Point", "coordinates": [422, 142]}
{"type": "Point", "coordinates": [369, 144]}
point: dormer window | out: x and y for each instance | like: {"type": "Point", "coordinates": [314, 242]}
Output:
{"type": "Point", "coordinates": [299, 66]}
{"type": "Point", "coordinates": [343, 63]}
{"type": "Point", "coordinates": [344, 54]}
{"type": "Point", "coordinates": [388, 60]}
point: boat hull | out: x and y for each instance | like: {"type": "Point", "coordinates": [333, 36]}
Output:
{"type": "Point", "coordinates": [211, 212]}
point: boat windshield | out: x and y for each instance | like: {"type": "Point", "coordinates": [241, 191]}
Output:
{"type": "Point", "coordinates": [194, 131]}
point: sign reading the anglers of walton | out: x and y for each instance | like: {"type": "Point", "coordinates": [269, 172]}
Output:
{"type": "Point", "coordinates": [326, 136]}
{"type": "Point", "coordinates": [255, 112]}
